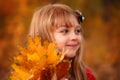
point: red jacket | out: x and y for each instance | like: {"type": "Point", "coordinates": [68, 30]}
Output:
{"type": "Point", "coordinates": [90, 75]}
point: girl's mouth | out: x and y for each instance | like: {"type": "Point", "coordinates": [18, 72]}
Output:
{"type": "Point", "coordinates": [72, 45]}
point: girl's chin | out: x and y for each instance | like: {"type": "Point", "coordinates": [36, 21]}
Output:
{"type": "Point", "coordinates": [70, 56]}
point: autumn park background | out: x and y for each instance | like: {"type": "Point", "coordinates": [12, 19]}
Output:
{"type": "Point", "coordinates": [101, 31]}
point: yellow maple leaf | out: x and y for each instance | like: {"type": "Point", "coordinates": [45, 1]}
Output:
{"type": "Point", "coordinates": [54, 57]}
{"type": "Point", "coordinates": [33, 57]}
{"type": "Point", "coordinates": [19, 73]}
{"type": "Point", "coordinates": [35, 60]}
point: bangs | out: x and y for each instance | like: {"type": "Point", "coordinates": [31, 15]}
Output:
{"type": "Point", "coordinates": [62, 18]}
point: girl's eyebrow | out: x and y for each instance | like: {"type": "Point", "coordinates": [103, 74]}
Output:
{"type": "Point", "coordinates": [63, 25]}
{"type": "Point", "coordinates": [78, 26]}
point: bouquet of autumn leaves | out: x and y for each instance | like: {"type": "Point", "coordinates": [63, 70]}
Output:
{"type": "Point", "coordinates": [39, 62]}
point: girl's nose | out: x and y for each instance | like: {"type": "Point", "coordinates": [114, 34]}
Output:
{"type": "Point", "coordinates": [73, 36]}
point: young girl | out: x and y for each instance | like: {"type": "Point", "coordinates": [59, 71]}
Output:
{"type": "Point", "coordinates": [60, 24]}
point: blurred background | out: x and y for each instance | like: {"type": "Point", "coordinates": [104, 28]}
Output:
{"type": "Point", "coordinates": [101, 31]}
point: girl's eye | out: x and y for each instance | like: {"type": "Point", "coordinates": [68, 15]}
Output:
{"type": "Point", "coordinates": [64, 31]}
{"type": "Point", "coordinates": [78, 31]}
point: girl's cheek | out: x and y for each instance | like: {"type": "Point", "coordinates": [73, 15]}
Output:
{"type": "Point", "coordinates": [80, 38]}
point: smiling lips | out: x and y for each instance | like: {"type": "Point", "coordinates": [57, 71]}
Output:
{"type": "Point", "coordinates": [72, 45]}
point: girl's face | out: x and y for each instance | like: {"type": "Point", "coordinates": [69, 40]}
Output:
{"type": "Point", "coordinates": [68, 38]}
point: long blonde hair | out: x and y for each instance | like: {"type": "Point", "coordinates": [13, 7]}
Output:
{"type": "Point", "coordinates": [49, 17]}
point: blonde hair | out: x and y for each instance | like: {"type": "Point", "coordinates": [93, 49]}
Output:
{"type": "Point", "coordinates": [48, 18]}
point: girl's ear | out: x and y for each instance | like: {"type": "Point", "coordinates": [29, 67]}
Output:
{"type": "Point", "coordinates": [80, 17]}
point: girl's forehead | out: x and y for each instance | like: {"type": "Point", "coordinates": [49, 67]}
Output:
{"type": "Point", "coordinates": [68, 25]}
{"type": "Point", "coordinates": [66, 21]}
{"type": "Point", "coordinates": [64, 26]}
